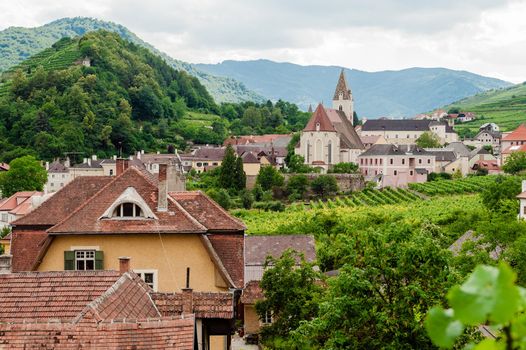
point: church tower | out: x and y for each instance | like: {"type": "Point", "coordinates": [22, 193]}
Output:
{"type": "Point", "coordinates": [343, 99]}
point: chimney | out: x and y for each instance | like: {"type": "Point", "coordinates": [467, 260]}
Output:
{"type": "Point", "coordinates": [5, 264]}
{"type": "Point", "coordinates": [67, 163]}
{"type": "Point", "coordinates": [124, 264]}
{"type": "Point", "coordinates": [162, 203]}
{"type": "Point", "coordinates": [138, 154]}
{"type": "Point", "coordinates": [47, 165]}
{"type": "Point", "coordinates": [121, 165]}
{"type": "Point", "coordinates": [523, 185]}
{"type": "Point", "coordinates": [89, 161]}
{"type": "Point", "coordinates": [188, 295]}
{"type": "Point", "coordinates": [85, 160]}
{"type": "Point", "coordinates": [94, 157]}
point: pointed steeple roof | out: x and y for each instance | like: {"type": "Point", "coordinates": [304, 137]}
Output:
{"type": "Point", "coordinates": [342, 88]}
{"type": "Point", "coordinates": [319, 117]}
{"type": "Point", "coordinates": [310, 108]}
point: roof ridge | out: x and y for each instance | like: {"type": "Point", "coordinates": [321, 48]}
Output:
{"type": "Point", "coordinates": [186, 213]}
{"type": "Point", "coordinates": [74, 212]}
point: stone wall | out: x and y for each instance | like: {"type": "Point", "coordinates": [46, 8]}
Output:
{"type": "Point", "coordinates": [346, 182]}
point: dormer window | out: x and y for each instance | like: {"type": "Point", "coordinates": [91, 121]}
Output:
{"type": "Point", "coordinates": [127, 210]}
{"type": "Point", "coordinates": [317, 126]}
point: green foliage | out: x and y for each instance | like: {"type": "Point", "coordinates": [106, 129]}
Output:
{"type": "Point", "coordinates": [298, 185]}
{"type": "Point", "coordinates": [465, 185]}
{"type": "Point", "coordinates": [227, 171]}
{"type": "Point", "coordinates": [515, 163]}
{"type": "Point", "coordinates": [497, 194]}
{"type": "Point", "coordinates": [488, 295]}
{"type": "Point", "coordinates": [5, 231]}
{"type": "Point", "coordinates": [221, 196]}
{"type": "Point", "coordinates": [428, 140]}
{"type": "Point", "coordinates": [290, 291]}
{"type": "Point", "coordinates": [438, 176]}
{"type": "Point", "coordinates": [324, 185]}
{"type": "Point", "coordinates": [247, 199]}
{"type": "Point", "coordinates": [25, 174]}
{"type": "Point", "coordinates": [268, 177]}
{"type": "Point", "coordinates": [240, 178]}
{"type": "Point", "coordinates": [344, 168]}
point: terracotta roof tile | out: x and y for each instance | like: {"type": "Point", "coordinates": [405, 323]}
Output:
{"type": "Point", "coordinates": [230, 248]}
{"type": "Point", "coordinates": [257, 248]}
{"type": "Point", "coordinates": [26, 246]}
{"type": "Point", "coordinates": [18, 199]}
{"type": "Point", "coordinates": [342, 88]}
{"type": "Point", "coordinates": [64, 201]}
{"type": "Point", "coordinates": [205, 305]}
{"type": "Point", "coordinates": [319, 117]}
{"type": "Point", "coordinates": [518, 134]}
{"type": "Point", "coordinates": [50, 295]}
{"type": "Point", "coordinates": [252, 293]}
{"type": "Point", "coordinates": [160, 333]}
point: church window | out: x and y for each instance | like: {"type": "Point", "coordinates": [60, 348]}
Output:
{"type": "Point", "coordinates": [308, 152]}
{"type": "Point", "coordinates": [319, 150]}
{"type": "Point", "coordinates": [317, 126]}
{"type": "Point", "coordinates": [391, 161]}
{"type": "Point", "coordinates": [340, 108]}
{"type": "Point", "coordinates": [329, 152]}
{"type": "Point", "coordinates": [403, 160]}
{"type": "Point", "coordinates": [396, 172]}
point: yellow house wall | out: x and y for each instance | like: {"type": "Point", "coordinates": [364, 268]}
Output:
{"type": "Point", "coordinates": [251, 322]}
{"type": "Point", "coordinates": [251, 169]}
{"type": "Point", "coordinates": [7, 246]}
{"type": "Point", "coordinates": [146, 253]}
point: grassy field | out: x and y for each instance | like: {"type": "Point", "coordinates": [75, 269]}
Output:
{"type": "Point", "coordinates": [506, 107]}
{"type": "Point", "coordinates": [200, 119]}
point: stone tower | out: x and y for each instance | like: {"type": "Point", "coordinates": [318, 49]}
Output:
{"type": "Point", "coordinates": [343, 99]}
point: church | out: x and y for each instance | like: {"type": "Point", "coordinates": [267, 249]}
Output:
{"type": "Point", "coordinates": [329, 137]}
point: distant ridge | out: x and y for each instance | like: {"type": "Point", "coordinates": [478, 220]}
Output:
{"type": "Point", "coordinates": [403, 93]}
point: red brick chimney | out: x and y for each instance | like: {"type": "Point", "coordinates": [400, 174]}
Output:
{"type": "Point", "coordinates": [121, 165]}
{"type": "Point", "coordinates": [124, 264]}
{"type": "Point", "coordinates": [188, 301]}
{"type": "Point", "coordinates": [162, 202]}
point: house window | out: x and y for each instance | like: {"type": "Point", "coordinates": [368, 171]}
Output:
{"type": "Point", "coordinates": [127, 210]}
{"type": "Point", "coordinates": [396, 172]}
{"type": "Point", "coordinates": [4, 217]}
{"type": "Point", "coordinates": [111, 172]}
{"type": "Point", "coordinates": [429, 161]}
{"type": "Point", "coordinates": [149, 277]}
{"type": "Point", "coordinates": [267, 317]}
{"type": "Point", "coordinates": [411, 172]}
{"type": "Point", "coordinates": [420, 161]}
{"type": "Point", "coordinates": [403, 160]}
{"type": "Point", "coordinates": [391, 161]}
{"type": "Point", "coordinates": [84, 260]}
{"type": "Point", "coordinates": [199, 164]}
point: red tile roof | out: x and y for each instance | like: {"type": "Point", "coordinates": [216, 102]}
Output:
{"type": "Point", "coordinates": [257, 248]}
{"type": "Point", "coordinates": [342, 88]}
{"type": "Point", "coordinates": [26, 248]}
{"type": "Point", "coordinates": [252, 293]}
{"type": "Point", "coordinates": [205, 305]}
{"type": "Point", "coordinates": [161, 333]}
{"type": "Point", "coordinates": [51, 295]}
{"type": "Point", "coordinates": [514, 148]}
{"type": "Point", "coordinates": [64, 201]}
{"type": "Point", "coordinates": [518, 134]}
{"type": "Point", "coordinates": [247, 139]}
{"type": "Point", "coordinates": [487, 164]}
{"type": "Point", "coordinates": [319, 117]}
{"type": "Point", "coordinates": [17, 199]}
{"type": "Point", "coordinates": [230, 249]}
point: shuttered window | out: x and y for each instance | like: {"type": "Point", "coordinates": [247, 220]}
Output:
{"type": "Point", "coordinates": [83, 260]}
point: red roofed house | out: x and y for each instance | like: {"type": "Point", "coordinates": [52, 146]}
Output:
{"type": "Point", "coordinates": [88, 309]}
{"type": "Point", "coordinates": [257, 248]}
{"type": "Point", "coordinates": [513, 142]}
{"type": "Point", "coordinates": [329, 137]}
{"type": "Point", "coordinates": [18, 205]}
{"type": "Point", "coordinates": [177, 240]}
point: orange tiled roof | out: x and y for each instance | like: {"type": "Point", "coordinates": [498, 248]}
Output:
{"type": "Point", "coordinates": [319, 117]}
{"type": "Point", "coordinates": [252, 293]}
{"type": "Point", "coordinates": [160, 333]}
{"type": "Point", "coordinates": [17, 199]}
{"type": "Point", "coordinates": [518, 134]}
{"type": "Point", "coordinates": [515, 148]}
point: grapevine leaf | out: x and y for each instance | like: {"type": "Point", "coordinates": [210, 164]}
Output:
{"type": "Point", "coordinates": [489, 344]}
{"type": "Point", "coordinates": [475, 299]}
{"type": "Point", "coordinates": [507, 296]}
{"type": "Point", "coordinates": [442, 327]}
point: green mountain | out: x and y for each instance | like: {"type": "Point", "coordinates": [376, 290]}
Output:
{"type": "Point", "coordinates": [18, 44]}
{"type": "Point", "coordinates": [401, 93]}
{"type": "Point", "coordinates": [505, 107]}
{"type": "Point", "coordinates": [95, 94]}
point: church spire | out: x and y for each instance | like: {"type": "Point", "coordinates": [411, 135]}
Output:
{"type": "Point", "coordinates": [342, 88]}
{"type": "Point", "coordinates": [310, 108]}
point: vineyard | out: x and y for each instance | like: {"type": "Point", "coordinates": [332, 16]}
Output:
{"type": "Point", "coordinates": [62, 55]}
{"type": "Point", "coordinates": [444, 187]}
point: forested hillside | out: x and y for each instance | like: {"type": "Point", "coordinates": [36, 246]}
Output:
{"type": "Point", "coordinates": [506, 107]}
{"type": "Point", "coordinates": [18, 44]}
{"type": "Point", "coordinates": [126, 99]}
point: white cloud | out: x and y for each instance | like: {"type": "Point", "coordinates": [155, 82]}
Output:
{"type": "Point", "coordinates": [483, 36]}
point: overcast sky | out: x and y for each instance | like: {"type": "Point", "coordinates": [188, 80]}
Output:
{"type": "Point", "coordinates": [483, 36]}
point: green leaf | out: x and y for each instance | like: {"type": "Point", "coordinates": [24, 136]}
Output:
{"type": "Point", "coordinates": [442, 327]}
{"type": "Point", "coordinates": [507, 296]}
{"type": "Point", "coordinates": [474, 300]}
{"type": "Point", "coordinates": [489, 344]}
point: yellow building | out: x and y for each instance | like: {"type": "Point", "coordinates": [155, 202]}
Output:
{"type": "Point", "coordinates": [175, 240]}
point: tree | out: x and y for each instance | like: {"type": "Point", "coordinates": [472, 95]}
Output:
{"type": "Point", "coordinates": [489, 296]}
{"type": "Point", "coordinates": [247, 199]}
{"type": "Point", "coordinates": [228, 169]}
{"type": "Point", "coordinates": [428, 139]}
{"type": "Point", "coordinates": [324, 185]}
{"type": "Point", "coordinates": [515, 163]}
{"type": "Point", "coordinates": [25, 174]}
{"type": "Point", "coordinates": [498, 193]}
{"type": "Point", "coordinates": [297, 185]}
{"type": "Point", "coordinates": [268, 177]}
{"type": "Point", "coordinates": [240, 178]}
{"type": "Point", "coordinates": [290, 292]}
{"type": "Point", "coordinates": [221, 196]}
{"type": "Point", "coordinates": [344, 168]}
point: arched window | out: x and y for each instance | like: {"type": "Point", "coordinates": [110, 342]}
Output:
{"type": "Point", "coordinates": [329, 153]}
{"type": "Point", "coordinates": [340, 108]}
{"type": "Point", "coordinates": [127, 210]}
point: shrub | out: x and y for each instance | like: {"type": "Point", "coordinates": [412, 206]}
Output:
{"type": "Point", "coordinates": [298, 184]}
{"type": "Point", "coordinates": [221, 196]}
{"type": "Point", "coordinates": [247, 199]}
{"type": "Point", "coordinates": [344, 168]}
{"type": "Point", "coordinates": [269, 177]}
{"type": "Point", "coordinates": [324, 185]}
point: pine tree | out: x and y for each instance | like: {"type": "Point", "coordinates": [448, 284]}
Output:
{"type": "Point", "coordinates": [240, 176]}
{"type": "Point", "coordinates": [228, 169]}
